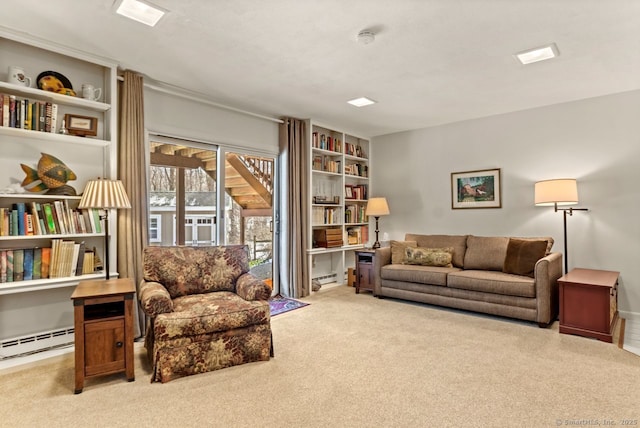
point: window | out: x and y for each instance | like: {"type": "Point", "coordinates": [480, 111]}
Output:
{"type": "Point", "coordinates": [155, 228]}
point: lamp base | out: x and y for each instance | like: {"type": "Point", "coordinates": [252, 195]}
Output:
{"type": "Point", "coordinates": [377, 243]}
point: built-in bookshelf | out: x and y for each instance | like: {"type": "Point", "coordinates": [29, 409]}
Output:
{"type": "Point", "coordinates": [37, 222]}
{"type": "Point", "coordinates": [338, 189]}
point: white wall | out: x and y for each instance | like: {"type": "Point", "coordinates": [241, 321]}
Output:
{"type": "Point", "coordinates": [596, 141]}
{"type": "Point", "coordinates": [175, 116]}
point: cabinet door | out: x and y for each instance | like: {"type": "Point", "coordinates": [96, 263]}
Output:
{"type": "Point", "coordinates": [104, 346]}
{"type": "Point", "coordinates": [366, 275]}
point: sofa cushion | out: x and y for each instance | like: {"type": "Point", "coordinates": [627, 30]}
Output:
{"type": "Point", "coordinates": [197, 314]}
{"type": "Point", "coordinates": [398, 250]}
{"type": "Point", "coordinates": [492, 282]}
{"type": "Point", "coordinates": [548, 239]}
{"type": "Point", "coordinates": [440, 257]}
{"type": "Point", "coordinates": [191, 270]}
{"type": "Point", "coordinates": [522, 255]}
{"type": "Point", "coordinates": [457, 242]}
{"type": "Point", "coordinates": [419, 274]}
{"type": "Point", "coordinates": [485, 253]}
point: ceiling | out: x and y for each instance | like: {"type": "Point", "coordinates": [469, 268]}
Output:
{"type": "Point", "coordinates": [432, 62]}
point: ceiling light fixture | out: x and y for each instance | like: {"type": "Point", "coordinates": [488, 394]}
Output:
{"type": "Point", "coordinates": [365, 37]}
{"type": "Point", "coordinates": [538, 54]}
{"type": "Point", "coordinates": [361, 102]}
{"type": "Point", "coordinates": [140, 11]}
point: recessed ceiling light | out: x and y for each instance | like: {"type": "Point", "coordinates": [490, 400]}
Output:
{"type": "Point", "coordinates": [538, 54]}
{"type": "Point", "coordinates": [143, 12]}
{"type": "Point", "coordinates": [361, 102]}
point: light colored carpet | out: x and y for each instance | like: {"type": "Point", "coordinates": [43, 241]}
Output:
{"type": "Point", "coordinates": [353, 361]}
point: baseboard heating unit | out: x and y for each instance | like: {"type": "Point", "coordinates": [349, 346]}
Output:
{"type": "Point", "coordinates": [36, 342]}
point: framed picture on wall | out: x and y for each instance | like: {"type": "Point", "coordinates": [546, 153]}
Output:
{"type": "Point", "coordinates": [476, 189]}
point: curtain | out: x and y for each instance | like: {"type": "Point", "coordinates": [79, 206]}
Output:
{"type": "Point", "coordinates": [132, 170]}
{"type": "Point", "coordinates": [294, 272]}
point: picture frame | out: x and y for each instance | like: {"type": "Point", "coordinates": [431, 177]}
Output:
{"type": "Point", "coordinates": [348, 192]}
{"type": "Point", "coordinates": [476, 189]}
{"type": "Point", "coordinates": [81, 126]}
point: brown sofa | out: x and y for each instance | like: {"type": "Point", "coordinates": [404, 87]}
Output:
{"type": "Point", "coordinates": [510, 277]}
{"type": "Point", "coordinates": [205, 310]}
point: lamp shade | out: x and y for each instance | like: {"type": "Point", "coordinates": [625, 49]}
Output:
{"type": "Point", "coordinates": [561, 191]}
{"type": "Point", "coordinates": [377, 207]}
{"type": "Point", "coordinates": [106, 194]}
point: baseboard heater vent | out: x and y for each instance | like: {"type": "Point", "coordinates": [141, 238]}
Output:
{"type": "Point", "coordinates": [36, 342]}
{"type": "Point", "coordinates": [326, 279]}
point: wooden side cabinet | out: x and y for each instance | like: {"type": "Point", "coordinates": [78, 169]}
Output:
{"type": "Point", "coordinates": [103, 328]}
{"type": "Point", "coordinates": [588, 303]}
{"type": "Point", "coordinates": [364, 270]}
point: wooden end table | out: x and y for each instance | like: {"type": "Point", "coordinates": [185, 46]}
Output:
{"type": "Point", "coordinates": [588, 303]}
{"type": "Point", "coordinates": [103, 326]}
{"type": "Point", "coordinates": [364, 270]}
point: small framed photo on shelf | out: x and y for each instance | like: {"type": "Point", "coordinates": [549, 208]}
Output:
{"type": "Point", "coordinates": [348, 192]}
{"type": "Point", "coordinates": [81, 126]}
{"type": "Point", "coordinates": [476, 189]}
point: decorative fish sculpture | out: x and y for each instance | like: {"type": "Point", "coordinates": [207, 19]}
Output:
{"type": "Point", "coordinates": [52, 175]}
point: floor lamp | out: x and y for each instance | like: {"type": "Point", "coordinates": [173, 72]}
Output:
{"type": "Point", "coordinates": [557, 192]}
{"type": "Point", "coordinates": [377, 207]}
{"type": "Point", "coordinates": [104, 194]}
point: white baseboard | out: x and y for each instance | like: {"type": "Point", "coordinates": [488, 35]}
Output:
{"type": "Point", "coordinates": [628, 315]}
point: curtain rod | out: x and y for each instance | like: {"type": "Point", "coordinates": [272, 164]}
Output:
{"type": "Point", "coordinates": [178, 92]}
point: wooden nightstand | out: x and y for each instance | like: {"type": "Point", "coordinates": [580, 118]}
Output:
{"type": "Point", "coordinates": [364, 270]}
{"type": "Point", "coordinates": [588, 303]}
{"type": "Point", "coordinates": [103, 324]}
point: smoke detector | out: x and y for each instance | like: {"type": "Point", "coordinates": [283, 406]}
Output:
{"type": "Point", "coordinates": [365, 37]}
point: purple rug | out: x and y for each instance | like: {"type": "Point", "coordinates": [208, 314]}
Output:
{"type": "Point", "coordinates": [279, 304]}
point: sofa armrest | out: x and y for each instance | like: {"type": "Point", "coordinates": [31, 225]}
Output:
{"type": "Point", "coordinates": [382, 258]}
{"type": "Point", "coordinates": [250, 287]}
{"type": "Point", "coordinates": [547, 271]}
{"type": "Point", "coordinates": [154, 298]}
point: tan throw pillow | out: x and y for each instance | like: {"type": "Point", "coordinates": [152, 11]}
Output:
{"type": "Point", "coordinates": [522, 255]}
{"type": "Point", "coordinates": [440, 257]}
{"type": "Point", "coordinates": [397, 250]}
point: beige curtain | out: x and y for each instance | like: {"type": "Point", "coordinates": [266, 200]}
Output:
{"type": "Point", "coordinates": [132, 170]}
{"type": "Point", "coordinates": [294, 272]}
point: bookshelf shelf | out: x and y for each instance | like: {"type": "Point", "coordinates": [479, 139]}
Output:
{"type": "Point", "coordinates": [45, 284]}
{"type": "Point", "coordinates": [41, 95]}
{"type": "Point", "coordinates": [49, 136]}
{"type": "Point", "coordinates": [339, 169]}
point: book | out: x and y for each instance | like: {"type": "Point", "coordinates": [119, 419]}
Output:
{"type": "Point", "coordinates": [20, 208]}
{"type": "Point", "coordinates": [58, 215]}
{"type": "Point", "coordinates": [96, 219]}
{"type": "Point", "coordinates": [28, 264]}
{"type": "Point", "coordinates": [49, 220]}
{"type": "Point", "coordinates": [87, 264]}
{"type": "Point", "coordinates": [37, 263]}
{"type": "Point", "coordinates": [54, 117]}
{"type": "Point", "coordinates": [18, 265]}
{"type": "Point", "coordinates": [3, 266]}
{"type": "Point", "coordinates": [45, 263]}
{"type": "Point", "coordinates": [80, 258]}
{"type": "Point", "coordinates": [9, 265]}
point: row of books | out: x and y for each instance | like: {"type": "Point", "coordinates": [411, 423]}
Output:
{"type": "Point", "coordinates": [355, 191]}
{"type": "Point", "coordinates": [361, 170]}
{"type": "Point", "coordinates": [325, 215]}
{"type": "Point", "coordinates": [355, 214]}
{"type": "Point", "coordinates": [357, 235]}
{"type": "Point", "coordinates": [354, 150]}
{"type": "Point", "coordinates": [63, 259]}
{"type": "Point", "coordinates": [326, 164]}
{"type": "Point", "coordinates": [326, 142]}
{"type": "Point", "coordinates": [28, 114]}
{"type": "Point", "coordinates": [50, 218]}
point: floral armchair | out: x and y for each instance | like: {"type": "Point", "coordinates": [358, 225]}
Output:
{"type": "Point", "coordinates": [206, 312]}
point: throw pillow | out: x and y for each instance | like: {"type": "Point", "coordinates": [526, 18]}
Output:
{"type": "Point", "coordinates": [522, 256]}
{"type": "Point", "coordinates": [397, 250]}
{"type": "Point", "coordinates": [440, 257]}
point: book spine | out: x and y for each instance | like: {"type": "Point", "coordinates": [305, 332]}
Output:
{"type": "Point", "coordinates": [45, 262]}
{"type": "Point", "coordinates": [18, 265]}
{"type": "Point", "coordinates": [28, 264]}
{"type": "Point", "coordinates": [3, 266]}
{"type": "Point", "coordinates": [6, 110]}
{"type": "Point", "coordinates": [20, 208]}
{"type": "Point", "coordinates": [47, 117]}
{"type": "Point", "coordinates": [9, 265]}
{"type": "Point", "coordinates": [37, 263]}
{"type": "Point", "coordinates": [50, 222]}
{"type": "Point", "coordinates": [54, 117]}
